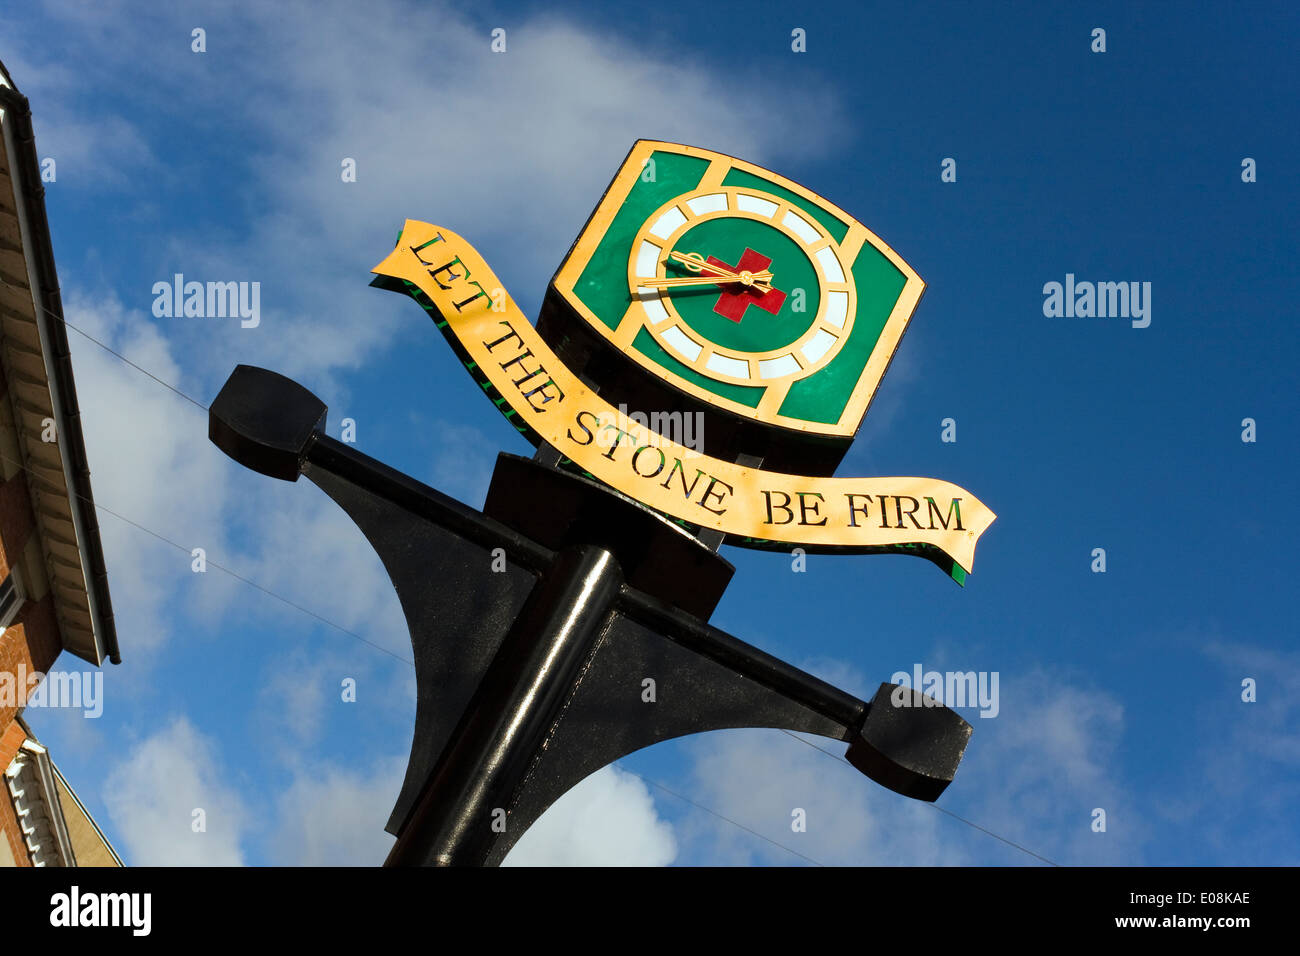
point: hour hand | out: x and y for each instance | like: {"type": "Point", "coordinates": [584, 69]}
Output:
{"type": "Point", "coordinates": [716, 274]}
{"type": "Point", "coordinates": [757, 280]}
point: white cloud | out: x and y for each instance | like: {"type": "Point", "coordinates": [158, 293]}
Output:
{"type": "Point", "coordinates": [463, 462]}
{"type": "Point", "coordinates": [296, 691]}
{"type": "Point", "coordinates": [1032, 776]}
{"type": "Point", "coordinates": [151, 463]}
{"type": "Point", "coordinates": [759, 778]}
{"type": "Point", "coordinates": [609, 819]}
{"type": "Point", "coordinates": [152, 794]}
{"type": "Point", "coordinates": [335, 816]}
{"type": "Point", "coordinates": [1265, 728]}
{"type": "Point", "coordinates": [847, 677]}
{"type": "Point", "coordinates": [92, 149]}
{"type": "Point", "coordinates": [1035, 773]}
{"type": "Point", "coordinates": [302, 691]}
{"type": "Point", "coordinates": [303, 546]}
{"type": "Point", "coordinates": [1237, 796]}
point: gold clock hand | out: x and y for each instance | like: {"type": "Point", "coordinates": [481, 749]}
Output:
{"type": "Point", "coordinates": [696, 263]}
{"type": "Point", "coordinates": [758, 280]}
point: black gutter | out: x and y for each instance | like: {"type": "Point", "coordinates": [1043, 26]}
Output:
{"type": "Point", "coordinates": [18, 111]}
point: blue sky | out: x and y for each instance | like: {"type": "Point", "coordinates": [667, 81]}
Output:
{"type": "Point", "coordinates": [1119, 690]}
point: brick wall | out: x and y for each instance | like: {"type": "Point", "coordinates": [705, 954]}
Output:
{"type": "Point", "coordinates": [31, 643]}
{"type": "Point", "coordinates": [10, 740]}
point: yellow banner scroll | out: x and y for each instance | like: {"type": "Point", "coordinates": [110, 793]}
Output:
{"type": "Point", "coordinates": [754, 508]}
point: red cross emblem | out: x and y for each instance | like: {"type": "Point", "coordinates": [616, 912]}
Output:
{"type": "Point", "coordinates": [732, 305]}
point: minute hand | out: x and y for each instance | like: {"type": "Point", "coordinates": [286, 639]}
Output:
{"type": "Point", "coordinates": [758, 280]}
{"type": "Point", "coordinates": [697, 263]}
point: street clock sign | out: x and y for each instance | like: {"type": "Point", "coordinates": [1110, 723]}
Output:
{"type": "Point", "coordinates": [706, 286]}
{"type": "Point", "coordinates": [701, 286]}
{"type": "Point", "coordinates": [665, 272]}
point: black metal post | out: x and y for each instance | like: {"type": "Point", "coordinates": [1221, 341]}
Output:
{"type": "Point", "coordinates": [464, 807]}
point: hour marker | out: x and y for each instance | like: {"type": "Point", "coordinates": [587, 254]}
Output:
{"type": "Point", "coordinates": [777, 367]}
{"type": "Point", "coordinates": [727, 366]}
{"type": "Point", "coordinates": [668, 223]}
{"type": "Point", "coordinates": [714, 202]}
{"type": "Point", "coordinates": [654, 309]}
{"type": "Point", "coordinates": [837, 308]}
{"type": "Point", "coordinates": [830, 265]}
{"type": "Point", "coordinates": [683, 343]}
{"type": "Point", "coordinates": [800, 227]}
{"type": "Point", "coordinates": [818, 345]}
{"type": "Point", "coordinates": [763, 207]}
{"type": "Point", "coordinates": [647, 260]}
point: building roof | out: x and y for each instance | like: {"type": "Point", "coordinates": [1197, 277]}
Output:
{"type": "Point", "coordinates": [31, 785]}
{"type": "Point", "coordinates": [38, 374]}
{"type": "Point", "coordinates": [56, 828]}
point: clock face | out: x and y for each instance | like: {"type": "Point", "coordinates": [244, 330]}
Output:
{"type": "Point", "coordinates": [691, 270]}
{"type": "Point", "coordinates": [741, 288]}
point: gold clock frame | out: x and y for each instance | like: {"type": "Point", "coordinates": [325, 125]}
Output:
{"type": "Point", "coordinates": [720, 164]}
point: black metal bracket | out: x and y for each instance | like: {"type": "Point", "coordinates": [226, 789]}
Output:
{"type": "Point", "coordinates": [536, 625]}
